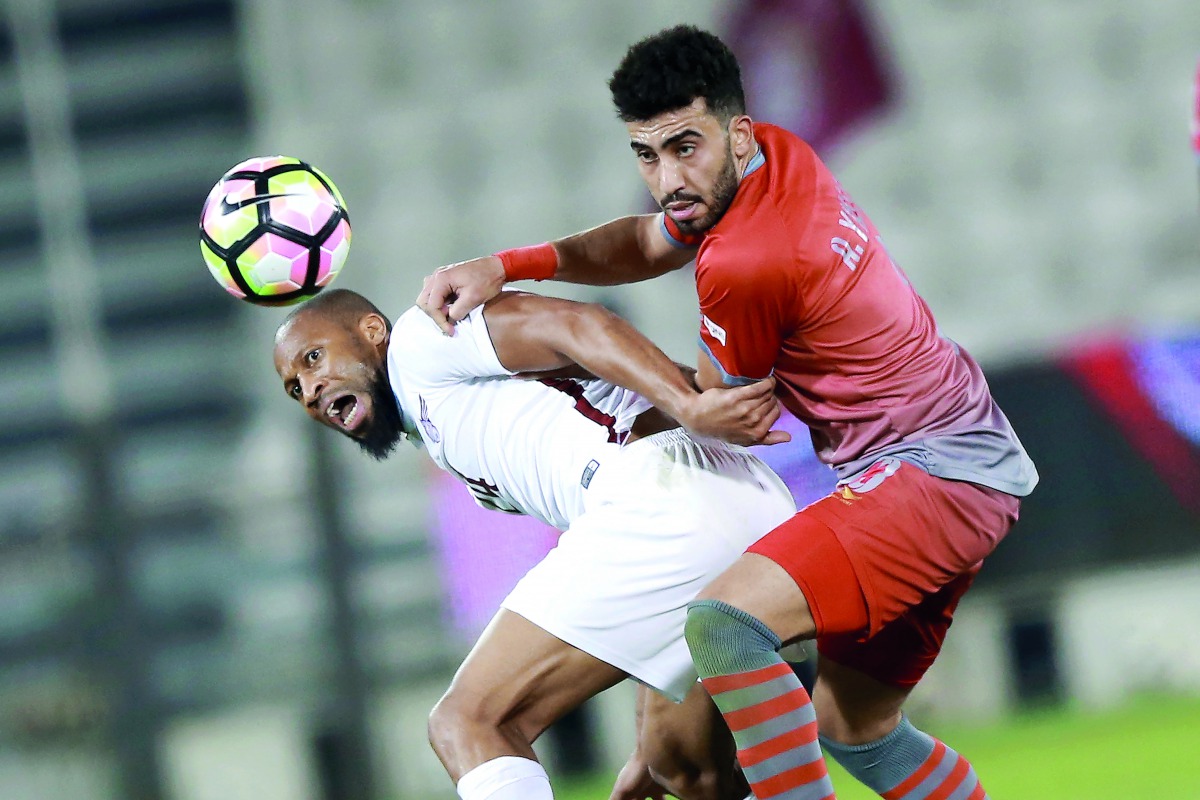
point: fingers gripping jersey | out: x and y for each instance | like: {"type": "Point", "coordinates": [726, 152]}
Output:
{"type": "Point", "coordinates": [521, 446]}
{"type": "Point", "coordinates": [793, 280]}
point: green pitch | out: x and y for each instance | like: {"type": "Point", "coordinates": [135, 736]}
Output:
{"type": "Point", "coordinates": [1147, 749]}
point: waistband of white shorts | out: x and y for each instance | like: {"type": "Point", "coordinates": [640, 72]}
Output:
{"type": "Point", "coordinates": [675, 437]}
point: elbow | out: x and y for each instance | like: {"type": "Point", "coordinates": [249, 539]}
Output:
{"type": "Point", "coordinates": [589, 322]}
{"type": "Point", "coordinates": [576, 330]}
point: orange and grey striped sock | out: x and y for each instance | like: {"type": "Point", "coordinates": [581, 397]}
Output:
{"type": "Point", "coordinates": [909, 764]}
{"type": "Point", "coordinates": [762, 701]}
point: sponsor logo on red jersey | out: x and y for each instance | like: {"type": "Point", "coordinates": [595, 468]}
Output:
{"type": "Point", "coordinates": [874, 475]}
{"type": "Point", "coordinates": [714, 330]}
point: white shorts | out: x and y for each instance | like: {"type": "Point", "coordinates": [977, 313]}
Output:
{"type": "Point", "coordinates": [659, 524]}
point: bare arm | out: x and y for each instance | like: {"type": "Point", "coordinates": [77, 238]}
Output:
{"type": "Point", "coordinates": [625, 250]}
{"type": "Point", "coordinates": [534, 334]}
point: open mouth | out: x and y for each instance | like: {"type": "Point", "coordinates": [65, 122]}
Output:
{"type": "Point", "coordinates": [683, 210]}
{"type": "Point", "coordinates": [345, 412]}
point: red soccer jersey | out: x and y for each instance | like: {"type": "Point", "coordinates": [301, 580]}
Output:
{"type": "Point", "coordinates": [794, 280]}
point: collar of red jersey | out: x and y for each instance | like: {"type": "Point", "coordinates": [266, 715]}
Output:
{"type": "Point", "coordinates": [756, 161]}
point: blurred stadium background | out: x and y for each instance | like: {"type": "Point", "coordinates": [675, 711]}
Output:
{"type": "Point", "coordinates": [205, 599]}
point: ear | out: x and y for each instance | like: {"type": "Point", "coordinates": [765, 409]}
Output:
{"type": "Point", "coordinates": [374, 328]}
{"type": "Point", "coordinates": [741, 136]}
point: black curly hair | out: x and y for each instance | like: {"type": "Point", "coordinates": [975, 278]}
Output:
{"type": "Point", "coordinates": [672, 68]}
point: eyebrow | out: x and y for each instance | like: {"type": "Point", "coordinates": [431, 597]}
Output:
{"type": "Point", "coordinates": [668, 141]}
{"type": "Point", "coordinates": [682, 135]}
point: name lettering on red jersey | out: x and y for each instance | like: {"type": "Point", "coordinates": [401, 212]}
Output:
{"type": "Point", "coordinates": [849, 216]}
{"type": "Point", "coordinates": [850, 253]}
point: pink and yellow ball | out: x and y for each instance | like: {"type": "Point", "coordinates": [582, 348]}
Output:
{"type": "Point", "coordinates": [274, 230]}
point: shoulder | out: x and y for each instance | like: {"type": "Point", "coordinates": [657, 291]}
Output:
{"type": "Point", "coordinates": [415, 324]}
{"type": "Point", "coordinates": [781, 142]}
{"type": "Point", "coordinates": [793, 172]}
{"type": "Point", "coordinates": [776, 196]}
{"type": "Point", "coordinates": [413, 334]}
{"type": "Point", "coordinates": [417, 346]}
{"type": "Point", "coordinates": [418, 349]}
{"type": "Point", "coordinates": [787, 205]}
{"type": "Point", "coordinates": [415, 329]}
{"type": "Point", "coordinates": [751, 250]}
{"type": "Point", "coordinates": [410, 344]}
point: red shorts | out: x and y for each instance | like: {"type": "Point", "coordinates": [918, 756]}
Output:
{"type": "Point", "coordinates": [884, 561]}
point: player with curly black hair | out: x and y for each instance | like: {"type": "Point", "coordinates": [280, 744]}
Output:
{"type": "Point", "coordinates": [799, 297]}
{"type": "Point", "coordinates": [670, 70]}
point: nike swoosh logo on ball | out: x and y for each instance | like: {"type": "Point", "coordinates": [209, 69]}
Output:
{"type": "Point", "coordinates": [228, 207]}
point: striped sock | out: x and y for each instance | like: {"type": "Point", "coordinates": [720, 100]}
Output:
{"type": "Point", "coordinates": [763, 702]}
{"type": "Point", "coordinates": [909, 764]}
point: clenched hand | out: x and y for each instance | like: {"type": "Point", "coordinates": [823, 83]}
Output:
{"type": "Point", "coordinates": [451, 292]}
{"type": "Point", "coordinates": [741, 415]}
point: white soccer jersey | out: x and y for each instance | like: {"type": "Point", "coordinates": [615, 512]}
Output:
{"type": "Point", "coordinates": [521, 446]}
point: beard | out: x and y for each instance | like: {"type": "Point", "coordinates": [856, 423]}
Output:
{"type": "Point", "coordinates": [386, 428]}
{"type": "Point", "coordinates": [723, 192]}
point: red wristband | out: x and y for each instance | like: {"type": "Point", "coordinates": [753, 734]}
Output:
{"type": "Point", "coordinates": [537, 262]}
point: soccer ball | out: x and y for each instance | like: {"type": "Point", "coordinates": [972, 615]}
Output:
{"type": "Point", "coordinates": [274, 231]}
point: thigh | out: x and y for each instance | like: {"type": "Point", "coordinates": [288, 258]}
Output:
{"type": "Point", "coordinates": [905, 648]}
{"type": "Point", "coordinates": [762, 588]}
{"type": "Point", "coordinates": [874, 549]}
{"type": "Point", "coordinates": [519, 675]}
{"type": "Point", "coordinates": [619, 582]}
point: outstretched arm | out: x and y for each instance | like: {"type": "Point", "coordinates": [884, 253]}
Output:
{"type": "Point", "coordinates": [626, 250]}
{"type": "Point", "coordinates": [534, 334]}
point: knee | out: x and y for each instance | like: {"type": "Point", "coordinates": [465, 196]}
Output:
{"type": "Point", "coordinates": [721, 638]}
{"type": "Point", "coordinates": [709, 621]}
{"type": "Point", "coordinates": [445, 720]}
{"type": "Point", "coordinates": [694, 625]}
{"type": "Point", "coordinates": [461, 719]}
{"type": "Point", "coordinates": [454, 720]}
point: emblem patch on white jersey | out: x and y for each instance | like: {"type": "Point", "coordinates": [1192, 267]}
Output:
{"type": "Point", "coordinates": [714, 330]}
{"type": "Point", "coordinates": [874, 475]}
{"type": "Point", "coordinates": [588, 472]}
{"type": "Point", "coordinates": [431, 431]}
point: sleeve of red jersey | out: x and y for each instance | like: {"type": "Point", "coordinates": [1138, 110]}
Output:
{"type": "Point", "coordinates": [742, 324]}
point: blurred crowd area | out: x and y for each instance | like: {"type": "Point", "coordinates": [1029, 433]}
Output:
{"type": "Point", "coordinates": [205, 599]}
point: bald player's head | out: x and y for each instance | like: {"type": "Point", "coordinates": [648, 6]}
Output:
{"type": "Point", "coordinates": [338, 305]}
{"type": "Point", "coordinates": [331, 354]}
